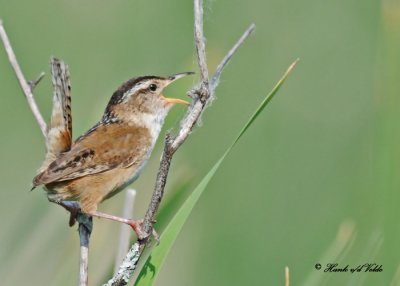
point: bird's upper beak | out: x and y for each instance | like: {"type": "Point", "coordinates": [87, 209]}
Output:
{"type": "Point", "coordinates": [171, 79]}
{"type": "Point", "coordinates": [179, 75]}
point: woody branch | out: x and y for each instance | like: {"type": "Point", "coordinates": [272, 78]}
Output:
{"type": "Point", "coordinates": [201, 94]}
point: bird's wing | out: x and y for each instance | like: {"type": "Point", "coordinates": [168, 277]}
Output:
{"type": "Point", "coordinates": [59, 136]}
{"type": "Point", "coordinates": [101, 149]}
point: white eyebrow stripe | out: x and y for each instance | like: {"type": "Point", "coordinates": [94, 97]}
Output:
{"type": "Point", "coordinates": [134, 89]}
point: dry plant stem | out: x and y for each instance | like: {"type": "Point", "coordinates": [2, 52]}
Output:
{"type": "Point", "coordinates": [85, 223]}
{"type": "Point", "coordinates": [126, 231]}
{"type": "Point", "coordinates": [201, 95]}
{"type": "Point", "coordinates": [197, 108]}
{"type": "Point", "coordinates": [26, 88]}
{"type": "Point", "coordinates": [200, 40]}
{"type": "Point", "coordinates": [34, 83]}
{"type": "Point", "coordinates": [85, 229]}
{"type": "Point", "coordinates": [187, 124]}
{"type": "Point", "coordinates": [228, 56]}
{"type": "Point", "coordinates": [127, 267]}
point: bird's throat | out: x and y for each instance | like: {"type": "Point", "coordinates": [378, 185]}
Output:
{"type": "Point", "coordinates": [151, 121]}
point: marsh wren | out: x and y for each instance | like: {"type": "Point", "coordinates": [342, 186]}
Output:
{"type": "Point", "coordinates": [110, 155]}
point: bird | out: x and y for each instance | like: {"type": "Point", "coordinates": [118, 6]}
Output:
{"type": "Point", "coordinates": [110, 155]}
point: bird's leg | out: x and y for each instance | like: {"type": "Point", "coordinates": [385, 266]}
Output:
{"type": "Point", "coordinates": [74, 208]}
{"type": "Point", "coordinates": [136, 225]}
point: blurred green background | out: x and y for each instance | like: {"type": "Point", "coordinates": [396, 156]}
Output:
{"type": "Point", "coordinates": [315, 180]}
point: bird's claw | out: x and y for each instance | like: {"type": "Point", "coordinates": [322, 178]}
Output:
{"type": "Point", "coordinates": [137, 228]}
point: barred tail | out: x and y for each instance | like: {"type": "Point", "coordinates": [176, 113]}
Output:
{"type": "Point", "coordinates": [59, 135]}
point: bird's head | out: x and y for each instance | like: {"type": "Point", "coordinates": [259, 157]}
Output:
{"type": "Point", "coordinates": [142, 96]}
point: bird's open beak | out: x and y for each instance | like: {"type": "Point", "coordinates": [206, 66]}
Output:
{"type": "Point", "coordinates": [179, 75]}
{"type": "Point", "coordinates": [173, 78]}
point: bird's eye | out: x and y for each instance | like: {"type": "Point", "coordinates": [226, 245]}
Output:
{"type": "Point", "coordinates": [153, 87]}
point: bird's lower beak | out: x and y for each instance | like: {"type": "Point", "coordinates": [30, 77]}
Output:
{"type": "Point", "coordinates": [173, 78]}
{"type": "Point", "coordinates": [176, 101]}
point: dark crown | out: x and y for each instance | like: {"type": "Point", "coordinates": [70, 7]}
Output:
{"type": "Point", "coordinates": [117, 96]}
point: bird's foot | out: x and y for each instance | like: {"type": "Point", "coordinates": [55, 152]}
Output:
{"type": "Point", "coordinates": [136, 225]}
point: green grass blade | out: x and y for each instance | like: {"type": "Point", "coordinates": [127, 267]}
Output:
{"type": "Point", "coordinates": [159, 253]}
{"type": "Point", "coordinates": [266, 100]}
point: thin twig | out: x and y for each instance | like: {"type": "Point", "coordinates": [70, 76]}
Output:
{"type": "Point", "coordinates": [228, 56]}
{"type": "Point", "coordinates": [201, 95]}
{"type": "Point", "coordinates": [200, 41]}
{"type": "Point", "coordinates": [85, 229]}
{"type": "Point", "coordinates": [187, 124]}
{"type": "Point", "coordinates": [34, 83]}
{"type": "Point", "coordinates": [193, 114]}
{"type": "Point", "coordinates": [26, 88]}
{"type": "Point", "coordinates": [85, 222]}
{"type": "Point", "coordinates": [126, 231]}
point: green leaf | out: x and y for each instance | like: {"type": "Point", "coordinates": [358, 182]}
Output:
{"type": "Point", "coordinates": [159, 253]}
